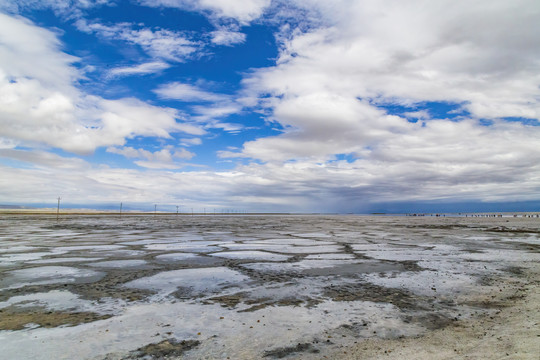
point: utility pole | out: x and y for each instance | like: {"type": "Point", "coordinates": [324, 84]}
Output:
{"type": "Point", "coordinates": [58, 208]}
{"type": "Point", "coordinates": [155, 209]}
{"type": "Point", "coordinates": [176, 210]}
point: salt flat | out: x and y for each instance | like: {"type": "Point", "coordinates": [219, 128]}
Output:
{"type": "Point", "coordinates": [248, 287]}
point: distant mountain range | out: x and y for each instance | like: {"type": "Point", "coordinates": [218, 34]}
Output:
{"type": "Point", "coordinates": [16, 207]}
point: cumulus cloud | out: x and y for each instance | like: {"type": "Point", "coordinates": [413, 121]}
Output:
{"type": "Point", "coordinates": [186, 92]}
{"type": "Point", "coordinates": [227, 37]}
{"type": "Point", "coordinates": [42, 105]}
{"type": "Point", "coordinates": [332, 82]}
{"type": "Point", "coordinates": [242, 11]}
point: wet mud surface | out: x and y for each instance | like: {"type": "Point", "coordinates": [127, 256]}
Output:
{"type": "Point", "coordinates": [204, 287]}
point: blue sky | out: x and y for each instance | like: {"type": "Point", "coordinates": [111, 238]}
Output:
{"type": "Point", "coordinates": [271, 105]}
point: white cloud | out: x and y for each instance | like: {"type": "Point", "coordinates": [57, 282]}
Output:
{"type": "Point", "coordinates": [42, 105]}
{"type": "Point", "coordinates": [22, 44]}
{"type": "Point", "coordinates": [160, 159]}
{"type": "Point", "coordinates": [44, 160]}
{"type": "Point", "coordinates": [326, 92]}
{"type": "Point", "coordinates": [242, 11]}
{"type": "Point", "coordinates": [185, 92]}
{"type": "Point", "coordinates": [221, 107]}
{"type": "Point", "coordinates": [191, 141]}
{"type": "Point", "coordinates": [161, 44]}
{"type": "Point", "coordinates": [309, 186]}
{"type": "Point", "coordinates": [227, 38]}
{"type": "Point", "coordinates": [140, 69]}
{"type": "Point", "coordinates": [65, 8]}
{"type": "Point", "coordinates": [329, 80]}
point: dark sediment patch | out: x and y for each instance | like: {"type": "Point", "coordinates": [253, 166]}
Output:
{"type": "Point", "coordinates": [411, 265]}
{"type": "Point", "coordinates": [355, 269]}
{"type": "Point", "coordinates": [280, 353]}
{"type": "Point", "coordinates": [13, 318]}
{"type": "Point", "coordinates": [515, 270]}
{"type": "Point", "coordinates": [112, 286]}
{"type": "Point", "coordinates": [282, 302]}
{"type": "Point", "coordinates": [232, 301]}
{"type": "Point", "coordinates": [374, 293]}
{"type": "Point", "coordinates": [431, 320]}
{"type": "Point", "coordinates": [167, 349]}
{"type": "Point", "coordinates": [504, 229]}
{"type": "Point", "coordinates": [229, 301]}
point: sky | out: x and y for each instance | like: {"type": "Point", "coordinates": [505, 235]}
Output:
{"type": "Point", "coordinates": [348, 106]}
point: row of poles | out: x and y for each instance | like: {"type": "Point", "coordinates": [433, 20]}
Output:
{"type": "Point", "coordinates": [121, 206]}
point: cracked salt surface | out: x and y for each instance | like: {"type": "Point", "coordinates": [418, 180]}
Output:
{"type": "Point", "coordinates": [62, 300]}
{"type": "Point", "coordinates": [424, 283]}
{"type": "Point", "coordinates": [285, 249]}
{"type": "Point", "coordinates": [119, 264]}
{"type": "Point", "coordinates": [196, 281]}
{"type": "Point", "coordinates": [241, 334]}
{"type": "Point", "coordinates": [199, 246]}
{"type": "Point", "coordinates": [91, 248]}
{"type": "Point", "coordinates": [178, 257]}
{"type": "Point", "coordinates": [327, 267]}
{"type": "Point", "coordinates": [64, 260]}
{"type": "Point", "coordinates": [48, 275]}
{"type": "Point", "coordinates": [235, 307]}
{"type": "Point", "coordinates": [330, 257]}
{"type": "Point", "coordinates": [255, 255]}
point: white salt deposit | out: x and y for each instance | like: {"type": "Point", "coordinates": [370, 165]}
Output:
{"type": "Point", "coordinates": [299, 265]}
{"type": "Point", "coordinates": [503, 255]}
{"type": "Point", "coordinates": [64, 260]}
{"type": "Point", "coordinates": [198, 246]}
{"type": "Point", "coordinates": [198, 281]}
{"type": "Point", "coordinates": [330, 257]}
{"type": "Point", "coordinates": [246, 335]}
{"type": "Point", "coordinates": [286, 249]}
{"type": "Point", "coordinates": [9, 259]}
{"type": "Point", "coordinates": [20, 248]}
{"type": "Point", "coordinates": [256, 255]}
{"type": "Point", "coordinates": [284, 309]}
{"type": "Point", "coordinates": [62, 300]}
{"type": "Point", "coordinates": [48, 275]}
{"type": "Point", "coordinates": [118, 264]}
{"type": "Point", "coordinates": [293, 241]}
{"type": "Point", "coordinates": [90, 248]}
{"type": "Point", "coordinates": [427, 283]}
{"type": "Point", "coordinates": [177, 256]}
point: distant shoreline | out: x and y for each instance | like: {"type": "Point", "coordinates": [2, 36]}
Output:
{"type": "Point", "coordinates": [90, 212]}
